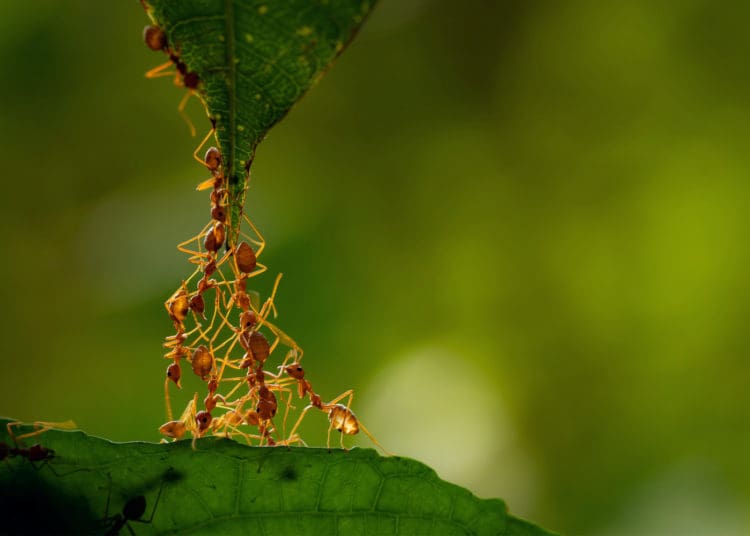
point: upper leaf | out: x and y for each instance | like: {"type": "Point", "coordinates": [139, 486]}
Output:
{"type": "Point", "coordinates": [255, 59]}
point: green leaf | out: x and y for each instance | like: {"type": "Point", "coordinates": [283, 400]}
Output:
{"type": "Point", "coordinates": [223, 487]}
{"type": "Point", "coordinates": [255, 59]}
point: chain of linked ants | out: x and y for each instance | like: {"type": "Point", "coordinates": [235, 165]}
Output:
{"type": "Point", "coordinates": [211, 353]}
{"type": "Point", "coordinates": [211, 350]}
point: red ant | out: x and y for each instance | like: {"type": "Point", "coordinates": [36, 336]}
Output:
{"type": "Point", "coordinates": [156, 39]}
{"type": "Point", "coordinates": [35, 453]}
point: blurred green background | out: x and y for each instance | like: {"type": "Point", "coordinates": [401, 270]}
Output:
{"type": "Point", "coordinates": [517, 230]}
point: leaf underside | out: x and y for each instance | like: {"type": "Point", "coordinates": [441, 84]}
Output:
{"type": "Point", "coordinates": [255, 59]}
{"type": "Point", "coordinates": [224, 487]}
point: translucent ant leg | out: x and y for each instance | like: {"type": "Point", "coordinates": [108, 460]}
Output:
{"type": "Point", "coordinates": [286, 413]}
{"type": "Point", "coordinates": [299, 419]}
{"type": "Point", "coordinates": [197, 238]}
{"type": "Point", "coordinates": [160, 70]}
{"type": "Point", "coordinates": [206, 184]}
{"type": "Point", "coordinates": [268, 304]}
{"type": "Point", "coordinates": [290, 440]}
{"type": "Point", "coordinates": [204, 333]}
{"type": "Point", "coordinates": [167, 400]}
{"type": "Point", "coordinates": [234, 389]}
{"type": "Point", "coordinates": [223, 259]}
{"type": "Point", "coordinates": [262, 241]}
{"type": "Point", "coordinates": [39, 428]}
{"type": "Point", "coordinates": [224, 322]}
{"type": "Point", "coordinates": [227, 359]}
{"type": "Point", "coordinates": [285, 339]}
{"type": "Point", "coordinates": [198, 149]}
{"type": "Point", "coordinates": [181, 110]}
{"type": "Point", "coordinates": [372, 438]}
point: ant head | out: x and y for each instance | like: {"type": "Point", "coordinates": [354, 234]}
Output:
{"type": "Point", "coordinates": [38, 453]}
{"type": "Point", "coordinates": [197, 304]}
{"type": "Point", "coordinates": [203, 419]}
{"type": "Point", "coordinates": [248, 319]}
{"type": "Point", "coordinates": [174, 372]}
{"type": "Point", "coordinates": [295, 370]}
{"type": "Point", "coordinates": [155, 38]}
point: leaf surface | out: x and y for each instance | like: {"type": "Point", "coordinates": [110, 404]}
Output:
{"type": "Point", "coordinates": [224, 487]}
{"type": "Point", "coordinates": [255, 59]}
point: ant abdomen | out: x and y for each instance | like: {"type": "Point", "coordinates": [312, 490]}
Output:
{"type": "Point", "coordinates": [343, 419]}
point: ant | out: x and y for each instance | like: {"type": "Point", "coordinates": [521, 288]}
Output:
{"type": "Point", "coordinates": [134, 508]}
{"type": "Point", "coordinates": [35, 453]}
{"type": "Point", "coordinates": [156, 39]}
{"type": "Point", "coordinates": [340, 417]}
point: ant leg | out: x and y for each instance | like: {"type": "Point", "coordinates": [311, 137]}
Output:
{"type": "Point", "coordinates": [234, 389]}
{"type": "Point", "coordinates": [262, 244]}
{"type": "Point", "coordinates": [197, 149]}
{"type": "Point", "coordinates": [181, 109]}
{"type": "Point", "coordinates": [372, 438]}
{"type": "Point", "coordinates": [286, 414]}
{"type": "Point", "coordinates": [204, 333]}
{"type": "Point", "coordinates": [226, 359]}
{"type": "Point", "coordinates": [160, 70]}
{"type": "Point", "coordinates": [182, 246]}
{"type": "Point", "coordinates": [268, 305]}
{"type": "Point", "coordinates": [39, 428]}
{"type": "Point", "coordinates": [167, 400]}
{"type": "Point", "coordinates": [299, 419]}
{"type": "Point", "coordinates": [285, 339]}
{"type": "Point", "coordinates": [224, 258]}
{"type": "Point", "coordinates": [156, 503]}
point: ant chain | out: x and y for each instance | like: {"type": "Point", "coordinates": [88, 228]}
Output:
{"type": "Point", "coordinates": [222, 329]}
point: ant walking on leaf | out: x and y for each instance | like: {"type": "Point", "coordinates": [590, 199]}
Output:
{"type": "Point", "coordinates": [36, 453]}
